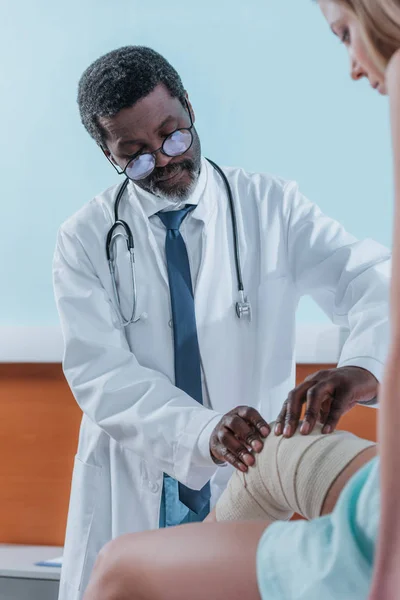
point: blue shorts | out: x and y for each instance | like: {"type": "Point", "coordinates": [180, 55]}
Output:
{"type": "Point", "coordinates": [328, 558]}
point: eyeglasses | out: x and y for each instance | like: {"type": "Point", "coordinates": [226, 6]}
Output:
{"type": "Point", "coordinates": [175, 144]}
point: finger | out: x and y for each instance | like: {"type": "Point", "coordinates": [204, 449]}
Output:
{"type": "Point", "coordinates": [316, 396]}
{"type": "Point", "coordinates": [316, 377]}
{"type": "Point", "coordinates": [295, 402]}
{"type": "Point", "coordinates": [336, 411]}
{"type": "Point", "coordinates": [224, 455]}
{"type": "Point", "coordinates": [252, 416]}
{"type": "Point", "coordinates": [230, 458]}
{"type": "Point", "coordinates": [245, 432]}
{"type": "Point", "coordinates": [229, 443]}
{"type": "Point", "coordinates": [324, 410]}
{"type": "Point", "coordinates": [280, 421]}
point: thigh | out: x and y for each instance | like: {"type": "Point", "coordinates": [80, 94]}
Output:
{"type": "Point", "coordinates": [340, 482]}
{"type": "Point", "coordinates": [196, 561]}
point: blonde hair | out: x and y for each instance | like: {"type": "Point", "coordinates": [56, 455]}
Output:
{"type": "Point", "coordinates": [380, 20]}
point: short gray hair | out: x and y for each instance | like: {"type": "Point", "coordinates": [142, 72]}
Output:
{"type": "Point", "coordinates": [118, 80]}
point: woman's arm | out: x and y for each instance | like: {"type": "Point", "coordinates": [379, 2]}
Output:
{"type": "Point", "coordinates": [386, 583]}
{"type": "Point", "coordinates": [393, 82]}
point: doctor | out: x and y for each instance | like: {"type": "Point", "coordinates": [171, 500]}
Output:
{"type": "Point", "coordinates": [185, 309]}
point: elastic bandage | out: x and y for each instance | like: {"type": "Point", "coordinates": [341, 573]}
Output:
{"type": "Point", "coordinates": [290, 476]}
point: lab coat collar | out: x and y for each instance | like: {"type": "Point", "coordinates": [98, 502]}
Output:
{"type": "Point", "coordinates": [152, 204]}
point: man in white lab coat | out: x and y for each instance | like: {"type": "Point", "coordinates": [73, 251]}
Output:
{"type": "Point", "coordinates": [158, 385]}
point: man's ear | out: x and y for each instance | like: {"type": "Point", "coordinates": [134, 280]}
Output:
{"type": "Point", "coordinates": [190, 107]}
{"type": "Point", "coordinates": [108, 154]}
{"type": "Point", "coordinates": [110, 158]}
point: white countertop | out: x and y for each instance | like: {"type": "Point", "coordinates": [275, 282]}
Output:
{"type": "Point", "coordinates": [19, 561]}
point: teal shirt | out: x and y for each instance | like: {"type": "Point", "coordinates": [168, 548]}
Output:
{"type": "Point", "coordinates": [172, 511]}
{"type": "Point", "coordinates": [329, 558]}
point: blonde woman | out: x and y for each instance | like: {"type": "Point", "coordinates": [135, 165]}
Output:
{"type": "Point", "coordinates": [336, 476]}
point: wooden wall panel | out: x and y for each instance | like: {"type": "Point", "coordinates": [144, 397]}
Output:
{"type": "Point", "coordinates": [39, 424]}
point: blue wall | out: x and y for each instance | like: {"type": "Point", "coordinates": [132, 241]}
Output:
{"type": "Point", "coordinates": [270, 88]}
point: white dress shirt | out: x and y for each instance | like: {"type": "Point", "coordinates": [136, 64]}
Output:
{"type": "Point", "coordinates": [191, 231]}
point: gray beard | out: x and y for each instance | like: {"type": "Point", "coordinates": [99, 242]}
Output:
{"type": "Point", "coordinates": [176, 199]}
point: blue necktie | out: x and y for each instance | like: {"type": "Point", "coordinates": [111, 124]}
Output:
{"type": "Point", "coordinates": [186, 345]}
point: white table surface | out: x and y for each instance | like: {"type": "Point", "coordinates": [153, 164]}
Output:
{"type": "Point", "coordinates": [19, 561]}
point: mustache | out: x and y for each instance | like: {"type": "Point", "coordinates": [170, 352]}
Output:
{"type": "Point", "coordinates": [162, 172]}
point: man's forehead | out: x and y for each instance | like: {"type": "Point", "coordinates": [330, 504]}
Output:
{"type": "Point", "coordinates": [122, 141]}
{"type": "Point", "coordinates": [127, 122]}
{"type": "Point", "coordinates": [145, 117]}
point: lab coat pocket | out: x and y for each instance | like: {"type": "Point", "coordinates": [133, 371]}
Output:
{"type": "Point", "coordinates": [84, 494]}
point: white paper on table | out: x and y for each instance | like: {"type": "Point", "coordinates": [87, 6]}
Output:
{"type": "Point", "coordinates": [54, 562]}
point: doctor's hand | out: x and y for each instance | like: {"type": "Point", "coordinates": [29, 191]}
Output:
{"type": "Point", "coordinates": [327, 395]}
{"type": "Point", "coordinates": [238, 434]}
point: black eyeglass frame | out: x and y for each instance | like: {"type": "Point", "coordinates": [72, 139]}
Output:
{"type": "Point", "coordinates": [160, 149]}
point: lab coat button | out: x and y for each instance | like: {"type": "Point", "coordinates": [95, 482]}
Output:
{"type": "Point", "coordinates": [171, 323]}
{"type": "Point", "coordinates": [154, 487]}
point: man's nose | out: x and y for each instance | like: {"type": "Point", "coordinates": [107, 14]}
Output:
{"type": "Point", "coordinates": [162, 159]}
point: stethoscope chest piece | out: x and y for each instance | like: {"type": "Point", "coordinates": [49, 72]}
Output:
{"type": "Point", "coordinates": [243, 308]}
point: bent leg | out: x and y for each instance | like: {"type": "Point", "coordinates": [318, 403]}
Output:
{"type": "Point", "coordinates": [352, 468]}
{"type": "Point", "coordinates": [303, 474]}
{"type": "Point", "coordinates": [197, 561]}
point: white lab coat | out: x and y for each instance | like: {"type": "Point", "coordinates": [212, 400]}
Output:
{"type": "Point", "coordinates": [136, 424]}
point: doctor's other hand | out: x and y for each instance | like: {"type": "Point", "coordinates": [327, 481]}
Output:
{"type": "Point", "coordinates": [238, 434]}
{"type": "Point", "coordinates": [328, 395]}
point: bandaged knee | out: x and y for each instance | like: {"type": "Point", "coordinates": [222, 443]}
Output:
{"type": "Point", "coordinates": [291, 475]}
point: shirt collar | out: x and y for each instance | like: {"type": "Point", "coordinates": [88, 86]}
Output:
{"type": "Point", "coordinates": [152, 204]}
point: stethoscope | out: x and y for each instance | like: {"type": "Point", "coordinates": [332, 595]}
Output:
{"type": "Point", "coordinates": [242, 306]}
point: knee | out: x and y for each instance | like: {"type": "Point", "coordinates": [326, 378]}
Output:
{"type": "Point", "coordinates": [298, 472]}
{"type": "Point", "coordinates": [290, 475]}
{"type": "Point", "coordinates": [307, 466]}
{"type": "Point", "coordinates": [105, 581]}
